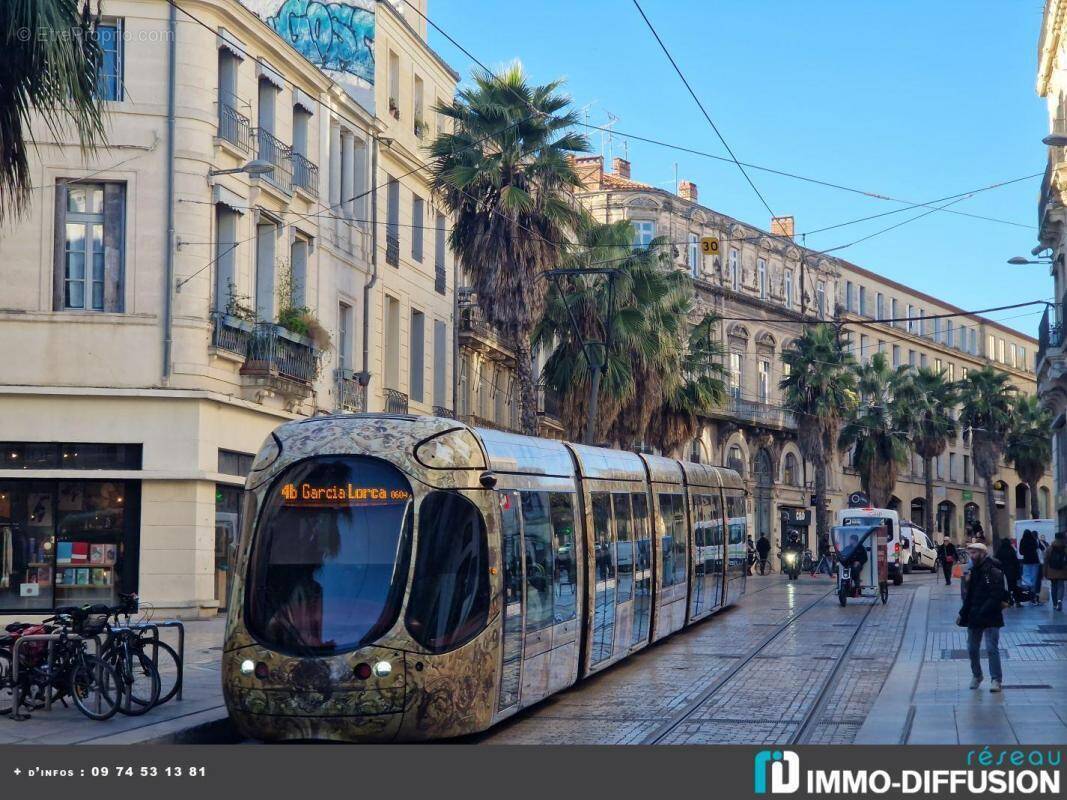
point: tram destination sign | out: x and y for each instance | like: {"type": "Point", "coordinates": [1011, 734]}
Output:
{"type": "Point", "coordinates": [348, 495]}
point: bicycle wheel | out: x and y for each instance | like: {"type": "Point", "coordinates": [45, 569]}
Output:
{"type": "Point", "coordinates": [95, 688]}
{"type": "Point", "coordinates": [138, 679]}
{"type": "Point", "coordinates": [167, 666]}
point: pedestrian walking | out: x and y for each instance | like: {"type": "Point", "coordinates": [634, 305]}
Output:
{"type": "Point", "coordinates": [982, 614]}
{"type": "Point", "coordinates": [763, 547]}
{"type": "Point", "coordinates": [1012, 569]}
{"type": "Point", "coordinates": [1030, 552]}
{"type": "Point", "coordinates": [750, 553]}
{"type": "Point", "coordinates": [946, 556]}
{"type": "Point", "coordinates": [1042, 552]}
{"type": "Point", "coordinates": [1056, 568]}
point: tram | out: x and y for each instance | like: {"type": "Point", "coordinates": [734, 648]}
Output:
{"type": "Point", "coordinates": [403, 578]}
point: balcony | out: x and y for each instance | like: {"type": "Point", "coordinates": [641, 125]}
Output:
{"type": "Point", "coordinates": [274, 352]}
{"type": "Point", "coordinates": [476, 333]}
{"type": "Point", "coordinates": [441, 411]}
{"type": "Point", "coordinates": [392, 249]}
{"type": "Point", "coordinates": [395, 402]}
{"type": "Point", "coordinates": [235, 128]}
{"type": "Point", "coordinates": [231, 334]}
{"type": "Point", "coordinates": [351, 394]}
{"type": "Point", "coordinates": [1049, 337]}
{"type": "Point", "coordinates": [305, 175]}
{"type": "Point", "coordinates": [279, 155]}
{"type": "Point", "coordinates": [758, 413]}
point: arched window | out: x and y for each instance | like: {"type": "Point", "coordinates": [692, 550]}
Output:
{"type": "Point", "coordinates": [1044, 502]}
{"type": "Point", "coordinates": [918, 512]}
{"type": "Point", "coordinates": [694, 255]}
{"type": "Point", "coordinates": [789, 470]}
{"type": "Point", "coordinates": [736, 461]}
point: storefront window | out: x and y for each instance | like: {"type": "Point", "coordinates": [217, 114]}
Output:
{"type": "Point", "coordinates": [66, 542]}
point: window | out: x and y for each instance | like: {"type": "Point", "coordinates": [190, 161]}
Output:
{"type": "Point", "coordinates": [735, 269]}
{"type": "Point", "coordinates": [623, 546]}
{"type": "Point", "coordinates": [440, 284]}
{"type": "Point", "coordinates": [266, 241]}
{"type": "Point", "coordinates": [764, 380]}
{"type": "Point", "coordinates": [922, 322]}
{"type": "Point", "coordinates": [225, 266]}
{"type": "Point", "coordinates": [974, 341]}
{"type": "Point", "coordinates": [951, 372]}
{"type": "Point", "coordinates": [418, 123]}
{"type": "Point", "coordinates": [642, 568]}
{"type": "Point", "coordinates": [391, 352]}
{"type": "Point", "coordinates": [232, 462]}
{"type": "Point", "coordinates": [865, 351]}
{"type": "Point", "coordinates": [761, 273]}
{"type": "Point", "coordinates": [911, 322]}
{"type": "Point", "coordinates": [1000, 350]}
{"type": "Point", "coordinates": [879, 306]}
{"type": "Point", "coordinates": [789, 288]}
{"type": "Point", "coordinates": [964, 373]}
{"type": "Point", "coordinates": [394, 85]}
{"type": "Point", "coordinates": [922, 361]}
{"type": "Point", "coordinates": [564, 572]}
{"type": "Point", "coordinates": [820, 298]}
{"type": "Point", "coordinates": [863, 301]}
{"type": "Point", "coordinates": [991, 350]}
{"type": "Point", "coordinates": [694, 254]}
{"type": "Point", "coordinates": [881, 345]}
{"type": "Point", "coordinates": [449, 602]}
{"type": "Point", "coordinates": [344, 336]}
{"type": "Point", "coordinates": [268, 95]}
{"type": "Point", "coordinates": [1012, 356]}
{"type": "Point", "coordinates": [1022, 358]}
{"type": "Point", "coordinates": [69, 455]}
{"type": "Point", "coordinates": [298, 263]}
{"type": "Point", "coordinates": [952, 476]}
{"type": "Point", "coordinates": [644, 232]}
{"type": "Point", "coordinates": [790, 472]}
{"type": "Point", "coordinates": [440, 362]}
{"type": "Point", "coordinates": [949, 338]}
{"type": "Point", "coordinates": [937, 366]}
{"type": "Point", "coordinates": [672, 509]}
{"type": "Point", "coordinates": [417, 357]}
{"type": "Point", "coordinates": [604, 575]}
{"type": "Point", "coordinates": [895, 314]}
{"type": "Point", "coordinates": [911, 358]}
{"type": "Point", "coordinates": [417, 217]}
{"type": "Point", "coordinates": [109, 76]}
{"type": "Point", "coordinates": [392, 222]}
{"type": "Point", "coordinates": [330, 578]}
{"type": "Point", "coordinates": [537, 538]}
{"type": "Point", "coordinates": [233, 126]}
{"type": "Point", "coordinates": [89, 268]}
{"type": "Point", "coordinates": [896, 355]}
{"type": "Point", "coordinates": [737, 361]}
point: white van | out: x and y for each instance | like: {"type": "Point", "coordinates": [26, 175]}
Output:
{"type": "Point", "coordinates": [923, 550]}
{"type": "Point", "coordinates": [1043, 527]}
{"type": "Point", "coordinates": [898, 547]}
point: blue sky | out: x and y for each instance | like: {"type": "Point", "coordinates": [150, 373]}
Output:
{"type": "Point", "coordinates": [916, 100]}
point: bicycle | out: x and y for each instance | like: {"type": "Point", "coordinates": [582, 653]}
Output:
{"type": "Point", "coordinates": [126, 651]}
{"type": "Point", "coordinates": [144, 639]}
{"type": "Point", "coordinates": [70, 670]}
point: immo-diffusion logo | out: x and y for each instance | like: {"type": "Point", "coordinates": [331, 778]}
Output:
{"type": "Point", "coordinates": [784, 769]}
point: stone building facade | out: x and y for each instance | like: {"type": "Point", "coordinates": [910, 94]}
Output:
{"type": "Point", "coordinates": [765, 287]}
{"type": "Point", "coordinates": [145, 292]}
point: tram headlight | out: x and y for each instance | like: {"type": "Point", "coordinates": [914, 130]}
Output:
{"type": "Point", "coordinates": [382, 669]}
{"type": "Point", "coordinates": [248, 666]}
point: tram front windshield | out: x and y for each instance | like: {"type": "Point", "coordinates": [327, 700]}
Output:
{"type": "Point", "coordinates": [330, 555]}
{"type": "Point", "coordinates": [847, 538]}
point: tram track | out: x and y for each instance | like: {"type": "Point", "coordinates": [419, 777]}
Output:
{"type": "Point", "coordinates": [666, 729]}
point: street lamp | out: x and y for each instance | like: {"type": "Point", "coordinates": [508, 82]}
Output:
{"type": "Point", "coordinates": [1019, 261]}
{"type": "Point", "coordinates": [255, 168]}
{"type": "Point", "coordinates": [1055, 140]}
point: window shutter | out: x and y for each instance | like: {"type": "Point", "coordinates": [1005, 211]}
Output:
{"type": "Point", "coordinates": [59, 241]}
{"type": "Point", "coordinates": [114, 236]}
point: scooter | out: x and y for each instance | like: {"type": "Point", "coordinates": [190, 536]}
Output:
{"type": "Point", "coordinates": [791, 563]}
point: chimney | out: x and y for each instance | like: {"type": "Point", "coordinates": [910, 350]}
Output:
{"type": "Point", "coordinates": [621, 167]}
{"type": "Point", "coordinates": [590, 170]}
{"type": "Point", "coordinates": [687, 190]}
{"type": "Point", "coordinates": [783, 226]}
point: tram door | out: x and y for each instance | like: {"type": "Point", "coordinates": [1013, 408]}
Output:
{"type": "Point", "coordinates": [737, 525]}
{"type": "Point", "coordinates": [642, 534]}
{"type": "Point", "coordinates": [512, 556]}
{"type": "Point", "coordinates": [604, 587]}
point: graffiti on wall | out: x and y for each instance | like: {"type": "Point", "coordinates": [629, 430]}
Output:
{"type": "Point", "coordinates": [335, 35]}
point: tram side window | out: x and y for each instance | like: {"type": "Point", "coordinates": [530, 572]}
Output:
{"type": "Point", "coordinates": [679, 539]}
{"type": "Point", "coordinates": [666, 512]}
{"type": "Point", "coordinates": [537, 536]}
{"type": "Point", "coordinates": [735, 510]}
{"type": "Point", "coordinates": [605, 562]}
{"type": "Point", "coordinates": [449, 601]}
{"type": "Point", "coordinates": [566, 579]}
{"type": "Point", "coordinates": [624, 546]}
{"type": "Point", "coordinates": [641, 536]}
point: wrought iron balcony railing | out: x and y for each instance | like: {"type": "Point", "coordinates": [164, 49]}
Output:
{"type": "Point", "coordinates": [231, 333]}
{"type": "Point", "coordinates": [235, 128]}
{"type": "Point", "coordinates": [395, 402]}
{"type": "Point", "coordinates": [759, 413]}
{"type": "Point", "coordinates": [441, 411]}
{"type": "Point", "coordinates": [351, 394]}
{"type": "Point", "coordinates": [1049, 336]}
{"type": "Point", "coordinates": [392, 249]}
{"type": "Point", "coordinates": [271, 149]}
{"type": "Point", "coordinates": [440, 284]}
{"type": "Point", "coordinates": [548, 401]}
{"type": "Point", "coordinates": [305, 174]}
{"type": "Point", "coordinates": [275, 350]}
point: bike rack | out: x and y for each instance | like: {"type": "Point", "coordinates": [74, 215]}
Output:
{"type": "Point", "coordinates": [51, 638]}
{"type": "Point", "coordinates": [154, 628]}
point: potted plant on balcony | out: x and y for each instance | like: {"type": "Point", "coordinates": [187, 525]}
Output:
{"type": "Point", "coordinates": [421, 127]}
{"type": "Point", "coordinates": [297, 322]}
{"type": "Point", "coordinates": [394, 109]}
{"type": "Point", "coordinates": [239, 312]}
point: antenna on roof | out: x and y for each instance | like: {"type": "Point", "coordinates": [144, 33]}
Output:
{"type": "Point", "coordinates": [606, 139]}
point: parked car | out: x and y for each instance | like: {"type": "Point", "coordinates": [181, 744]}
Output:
{"type": "Point", "coordinates": [923, 554]}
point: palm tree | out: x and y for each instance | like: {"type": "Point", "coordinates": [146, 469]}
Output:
{"type": "Point", "coordinates": [48, 71]}
{"type": "Point", "coordinates": [505, 172]}
{"type": "Point", "coordinates": [986, 406]}
{"type": "Point", "coordinates": [819, 388]}
{"type": "Point", "coordinates": [696, 392]}
{"type": "Point", "coordinates": [927, 403]}
{"type": "Point", "coordinates": [874, 427]}
{"type": "Point", "coordinates": [651, 301]}
{"type": "Point", "coordinates": [1029, 445]}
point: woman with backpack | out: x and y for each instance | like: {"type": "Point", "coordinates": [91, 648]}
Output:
{"type": "Point", "coordinates": [1056, 568]}
{"type": "Point", "coordinates": [1028, 549]}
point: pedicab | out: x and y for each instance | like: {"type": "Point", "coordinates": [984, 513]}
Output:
{"type": "Point", "coordinates": [862, 568]}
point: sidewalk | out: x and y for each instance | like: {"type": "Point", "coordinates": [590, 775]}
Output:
{"type": "Point", "coordinates": [197, 716]}
{"type": "Point", "coordinates": [927, 697]}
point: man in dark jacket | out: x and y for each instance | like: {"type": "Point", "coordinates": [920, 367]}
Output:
{"type": "Point", "coordinates": [946, 556]}
{"type": "Point", "coordinates": [763, 547]}
{"type": "Point", "coordinates": [982, 615]}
